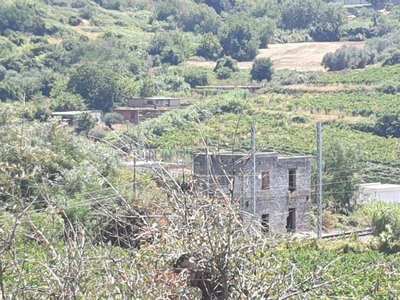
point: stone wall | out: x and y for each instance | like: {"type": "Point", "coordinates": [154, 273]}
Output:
{"type": "Point", "coordinates": [273, 202]}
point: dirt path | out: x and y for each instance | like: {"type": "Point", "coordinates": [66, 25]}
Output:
{"type": "Point", "coordinates": [84, 28]}
{"type": "Point", "coordinates": [294, 56]}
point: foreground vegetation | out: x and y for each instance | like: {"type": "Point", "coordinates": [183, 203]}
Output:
{"type": "Point", "coordinates": [77, 223]}
{"type": "Point", "coordinates": [71, 226]}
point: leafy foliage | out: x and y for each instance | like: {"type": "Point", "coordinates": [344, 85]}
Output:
{"type": "Point", "coordinates": [85, 122]}
{"type": "Point", "coordinates": [385, 220]}
{"type": "Point", "coordinates": [209, 47]}
{"type": "Point", "coordinates": [347, 58]}
{"type": "Point", "coordinates": [394, 59]}
{"type": "Point", "coordinates": [113, 118]}
{"type": "Point", "coordinates": [239, 39]}
{"type": "Point", "coordinates": [23, 16]}
{"type": "Point", "coordinates": [262, 69]}
{"type": "Point", "coordinates": [340, 179]}
{"type": "Point", "coordinates": [195, 77]}
{"type": "Point", "coordinates": [96, 85]}
{"type": "Point", "coordinates": [226, 62]}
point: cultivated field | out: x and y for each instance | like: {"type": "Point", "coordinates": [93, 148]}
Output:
{"type": "Point", "coordinates": [294, 56]}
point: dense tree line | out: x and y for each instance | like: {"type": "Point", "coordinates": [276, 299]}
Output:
{"type": "Point", "coordinates": [47, 51]}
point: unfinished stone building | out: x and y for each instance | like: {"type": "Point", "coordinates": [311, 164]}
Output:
{"type": "Point", "coordinates": [280, 186]}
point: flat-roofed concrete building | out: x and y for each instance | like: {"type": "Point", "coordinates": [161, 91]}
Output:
{"type": "Point", "coordinates": [157, 101]}
{"type": "Point", "coordinates": [70, 116]}
{"type": "Point", "coordinates": [376, 191]}
{"type": "Point", "coordinates": [135, 115]}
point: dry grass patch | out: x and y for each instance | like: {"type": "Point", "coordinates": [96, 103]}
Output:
{"type": "Point", "coordinates": [86, 29]}
{"type": "Point", "coordinates": [293, 56]}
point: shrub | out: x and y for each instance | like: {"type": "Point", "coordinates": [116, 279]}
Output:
{"type": "Point", "coordinates": [199, 19]}
{"type": "Point", "coordinates": [86, 13]}
{"type": "Point", "coordinates": [85, 122]}
{"type": "Point", "coordinates": [78, 4]}
{"type": "Point", "coordinates": [262, 69]}
{"type": "Point", "coordinates": [226, 62]}
{"type": "Point", "coordinates": [325, 32]}
{"type": "Point", "coordinates": [3, 72]}
{"type": "Point", "coordinates": [74, 21]}
{"type": "Point", "coordinates": [60, 3]}
{"type": "Point", "coordinates": [224, 73]}
{"type": "Point", "coordinates": [172, 48]}
{"type": "Point", "coordinates": [239, 38]}
{"type": "Point", "coordinates": [266, 32]}
{"type": "Point", "coordinates": [386, 222]}
{"type": "Point", "coordinates": [148, 88]}
{"type": "Point", "coordinates": [172, 55]}
{"type": "Point", "coordinates": [165, 9]}
{"type": "Point", "coordinates": [209, 47]}
{"type": "Point", "coordinates": [196, 77]}
{"type": "Point", "coordinates": [394, 59]}
{"type": "Point", "coordinates": [388, 126]}
{"type": "Point", "coordinates": [389, 88]}
{"type": "Point", "coordinates": [97, 134]}
{"type": "Point", "coordinates": [347, 58]}
{"type": "Point", "coordinates": [21, 16]}
{"type": "Point", "coordinates": [113, 118]}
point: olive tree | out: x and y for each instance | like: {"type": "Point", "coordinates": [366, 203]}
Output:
{"type": "Point", "coordinates": [262, 69]}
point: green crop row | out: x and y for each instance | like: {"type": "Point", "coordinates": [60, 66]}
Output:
{"type": "Point", "coordinates": [352, 103]}
{"type": "Point", "coordinates": [369, 76]}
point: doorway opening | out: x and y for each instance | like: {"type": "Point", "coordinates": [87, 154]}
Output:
{"type": "Point", "coordinates": [265, 223]}
{"type": "Point", "coordinates": [291, 220]}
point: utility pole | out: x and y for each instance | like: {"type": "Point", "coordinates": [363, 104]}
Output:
{"type": "Point", "coordinates": [135, 153]}
{"type": "Point", "coordinates": [207, 167]}
{"type": "Point", "coordinates": [253, 154]}
{"type": "Point", "coordinates": [319, 186]}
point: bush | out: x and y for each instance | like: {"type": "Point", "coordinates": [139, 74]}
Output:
{"type": "Point", "coordinates": [347, 58]}
{"type": "Point", "coordinates": [85, 122]}
{"type": "Point", "coordinates": [74, 21]}
{"type": "Point", "coordinates": [226, 62]}
{"type": "Point", "coordinates": [239, 38]}
{"type": "Point", "coordinates": [262, 69]}
{"type": "Point", "coordinates": [389, 88]}
{"type": "Point", "coordinates": [266, 32]}
{"type": "Point", "coordinates": [299, 14]}
{"type": "Point", "coordinates": [196, 77]}
{"type": "Point", "coordinates": [172, 48]}
{"type": "Point", "coordinates": [199, 19]}
{"type": "Point", "coordinates": [113, 118]}
{"type": "Point", "coordinates": [386, 222]}
{"type": "Point", "coordinates": [97, 134]}
{"type": "Point", "coordinates": [3, 72]}
{"type": "Point", "coordinates": [394, 59]}
{"type": "Point", "coordinates": [209, 47]}
{"type": "Point", "coordinates": [78, 4]}
{"type": "Point", "coordinates": [21, 16]}
{"type": "Point", "coordinates": [60, 3]}
{"type": "Point", "coordinates": [388, 126]}
{"type": "Point", "coordinates": [86, 13]}
{"type": "Point", "coordinates": [224, 73]}
{"type": "Point", "coordinates": [325, 32]}
{"type": "Point", "coordinates": [165, 9]}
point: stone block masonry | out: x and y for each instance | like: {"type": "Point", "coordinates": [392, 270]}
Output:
{"type": "Point", "coordinates": [282, 186]}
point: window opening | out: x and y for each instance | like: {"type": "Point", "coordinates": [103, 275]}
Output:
{"type": "Point", "coordinates": [292, 180]}
{"type": "Point", "coordinates": [265, 180]}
